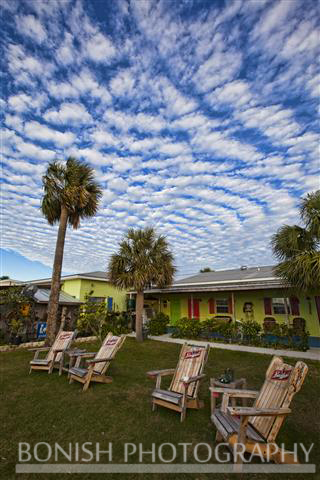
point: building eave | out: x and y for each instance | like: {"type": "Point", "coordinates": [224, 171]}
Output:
{"type": "Point", "coordinates": [219, 287]}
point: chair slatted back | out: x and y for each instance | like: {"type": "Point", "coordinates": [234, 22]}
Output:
{"type": "Point", "coordinates": [108, 349]}
{"type": "Point", "coordinates": [62, 342]}
{"type": "Point", "coordinates": [191, 363]}
{"type": "Point", "coordinates": [281, 383]}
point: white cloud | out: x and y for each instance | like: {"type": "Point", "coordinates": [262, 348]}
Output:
{"type": "Point", "coordinates": [100, 49]}
{"type": "Point", "coordinates": [29, 25]}
{"type": "Point", "coordinates": [122, 84]}
{"type": "Point", "coordinates": [73, 113]}
{"type": "Point", "coordinates": [38, 131]}
{"type": "Point", "coordinates": [236, 93]}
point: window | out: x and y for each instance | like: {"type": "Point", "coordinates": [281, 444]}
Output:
{"type": "Point", "coordinates": [222, 305]}
{"type": "Point", "coordinates": [96, 299]}
{"type": "Point", "coordinates": [280, 306]}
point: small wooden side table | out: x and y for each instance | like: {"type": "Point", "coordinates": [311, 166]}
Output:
{"type": "Point", "coordinates": [71, 353]}
{"type": "Point", "coordinates": [240, 383]}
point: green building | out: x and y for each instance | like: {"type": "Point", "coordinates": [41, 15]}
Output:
{"type": "Point", "coordinates": [240, 294]}
{"type": "Point", "coordinates": [94, 285]}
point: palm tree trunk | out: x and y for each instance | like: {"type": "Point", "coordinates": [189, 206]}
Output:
{"type": "Point", "coordinates": [139, 311]}
{"type": "Point", "coordinates": [56, 277]}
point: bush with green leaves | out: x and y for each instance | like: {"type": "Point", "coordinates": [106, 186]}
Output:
{"type": "Point", "coordinates": [187, 328]}
{"type": "Point", "coordinates": [251, 331]}
{"type": "Point", "coordinates": [158, 324]}
{"type": "Point", "coordinates": [95, 319]}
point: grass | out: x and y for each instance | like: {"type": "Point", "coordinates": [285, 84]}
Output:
{"type": "Point", "coordinates": [45, 408]}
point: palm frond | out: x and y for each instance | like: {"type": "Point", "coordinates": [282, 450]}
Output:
{"type": "Point", "coordinates": [310, 213]}
{"type": "Point", "coordinates": [143, 260]}
{"type": "Point", "coordinates": [72, 185]}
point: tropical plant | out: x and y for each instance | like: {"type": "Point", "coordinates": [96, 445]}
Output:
{"type": "Point", "coordinates": [17, 309]}
{"type": "Point", "coordinates": [70, 194]}
{"type": "Point", "coordinates": [206, 269]}
{"type": "Point", "coordinates": [158, 324]}
{"type": "Point", "coordinates": [143, 260]}
{"type": "Point", "coordinates": [297, 248]}
{"type": "Point", "coordinates": [95, 319]}
{"type": "Point", "coordinates": [187, 328]}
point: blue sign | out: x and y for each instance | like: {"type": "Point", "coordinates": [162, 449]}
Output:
{"type": "Point", "coordinates": [110, 303]}
{"type": "Point", "coordinates": [41, 330]}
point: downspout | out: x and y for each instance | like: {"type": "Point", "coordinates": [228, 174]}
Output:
{"type": "Point", "coordinates": [233, 307]}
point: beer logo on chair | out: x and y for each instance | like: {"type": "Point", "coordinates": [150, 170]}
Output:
{"type": "Point", "coordinates": [282, 374]}
{"type": "Point", "coordinates": [112, 341]}
{"type": "Point", "coordinates": [193, 354]}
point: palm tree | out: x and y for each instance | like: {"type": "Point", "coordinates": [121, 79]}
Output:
{"type": "Point", "coordinates": [70, 194]}
{"type": "Point", "coordinates": [143, 260]}
{"type": "Point", "coordinates": [297, 248]}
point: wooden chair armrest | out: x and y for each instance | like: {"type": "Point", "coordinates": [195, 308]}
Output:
{"type": "Point", "coordinates": [235, 392]}
{"type": "Point", "coordinates": [161, 373]}
{"type": "Point", "coordinates": [189, 380]}
{"type": "Point", "coordinates": [258, 412]}
{"type": "Point", "coordinates": [99, 360]}
{"type": "Point", "coordinates": [82, 354]}
{"type": "Point", "coordinates": [58, 350]}
{"type": "Point", "coordinates": [40, 349]}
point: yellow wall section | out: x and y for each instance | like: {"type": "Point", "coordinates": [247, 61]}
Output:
{"type": "Point", "coordinates": [307, 307]}
{"type": "Point", "coordinates": [79, 288]}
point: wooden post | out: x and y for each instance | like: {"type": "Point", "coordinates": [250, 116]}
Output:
{"type": "Point", "coordinates": [191, 305]}
{"type": "Point", "coordinates": [63, 318]}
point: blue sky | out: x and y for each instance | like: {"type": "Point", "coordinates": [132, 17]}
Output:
{"type": "Point", "coordinates": [200, 119]}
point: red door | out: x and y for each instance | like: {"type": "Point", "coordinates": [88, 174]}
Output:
{"type": "Point", "coordinates": [317, 299]}
{"type": "Point", "coordinates": [196, 308]}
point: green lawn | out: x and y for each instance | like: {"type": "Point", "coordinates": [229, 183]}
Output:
{"type": "Point", "coordinates": [45, 408]}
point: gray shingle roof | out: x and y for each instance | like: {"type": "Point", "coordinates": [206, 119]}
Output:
{"type": "Point", "coordinates": [251, 278]}
{"type": "Point", "coordinates": [42, 296]}
{"type": "Point", "coordinates": [97, 274]}
{"type": "Point", "coordinates": [250, 273]}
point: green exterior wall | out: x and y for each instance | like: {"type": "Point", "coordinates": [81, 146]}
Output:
{"type": "Point", "coordinates": [175, 305]}
{"type": "Point", "coordinates": [79, 288]}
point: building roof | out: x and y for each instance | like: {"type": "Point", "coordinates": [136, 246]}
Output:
{"type": "Point", "coordinates": [42, 295]}
{"type": "Point", "coordinates": [97, 275]}
{"type": "Point", "coordinates": [244, 278]}
{"type": "Point", "coordinates": [9, 282]}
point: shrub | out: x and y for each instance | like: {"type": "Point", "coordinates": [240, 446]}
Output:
{"type": "Point", "coordinates": [251, 331]}
{"type": "Point", "coordinates": [158, 324]}
{"type": "Point", "coordinates": [228, 330]}
{"type": "Point", "coordinates": [95, 319]}
{"type": "Point", "coordinates": [187, 328]}
{"type": "Point", "coordinates": [116, 322]}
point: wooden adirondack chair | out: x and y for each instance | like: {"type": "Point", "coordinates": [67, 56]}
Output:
{"type": "Point", "coordinates": [183, 391]}
{"type": "Point", "coordinates": [55, 356]}
{"type": "Point", "coordinates": [98, 362]}
{"type": "Point", "coordinates": [257, 427]}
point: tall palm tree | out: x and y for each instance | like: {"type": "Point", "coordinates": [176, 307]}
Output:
{"type": "Point", "coordinates": [70, 194]}
{"type": "Point", "coordinates": [297, 247]}
{"type": "Point", "coordinates": [143, 260]}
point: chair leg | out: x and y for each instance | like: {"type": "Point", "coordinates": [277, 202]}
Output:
{"type": "Point", "coordinates": [154, 406]}
{"type": "Point", "coordinates": [219, 437]}
{"type": "Point", "coordinates": [71, 379]}
{"type": "Point", "coordinates": [86, 385]}
{"type": "Point", "coordinates": [283, 456]}
{"type": "Point", "coordinates": [183, 414]}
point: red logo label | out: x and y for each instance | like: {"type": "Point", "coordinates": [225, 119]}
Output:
{"type": "Point", "coordinates": [281, 374]}
{"type": "Point", "coordinates": [64, 336]}
{"type": "Point", "coordinates": [193, 354]}
{"type": "Point", "coordinates": [112, 341]}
